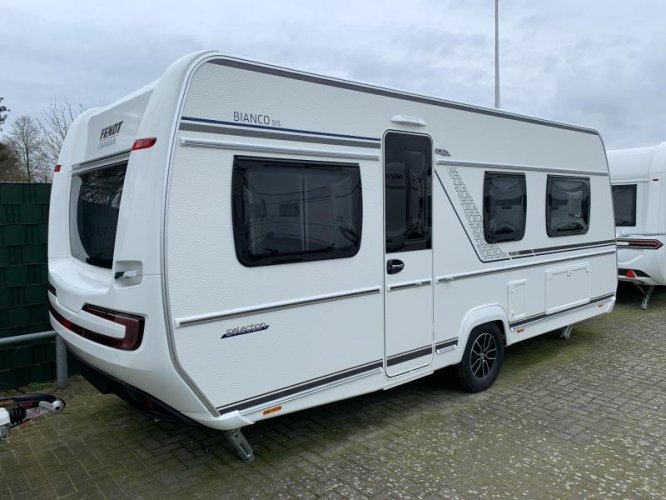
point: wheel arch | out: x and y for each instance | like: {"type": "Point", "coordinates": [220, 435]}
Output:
{"type": "Point", "coordinates": [493, 313]}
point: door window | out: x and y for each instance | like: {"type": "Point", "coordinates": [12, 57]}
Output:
{"type": "Point", "coordinates": [408, 192]}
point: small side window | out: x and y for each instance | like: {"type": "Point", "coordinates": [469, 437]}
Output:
{"type": "Point", "coordinates": [567, 205]}
{"type": "Point", "coordinates": [624, 204]}
{"type": "Point", "coordinates": [504, 207]}
{"type": "Point", "coordinates": [295, 211]}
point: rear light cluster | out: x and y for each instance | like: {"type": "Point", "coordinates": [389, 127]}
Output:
{"type": "Point", "coordinates": [133, 327]}
{"type": "Point", "coordinates": [638, 243]}
{"type": "Point", "coordinates": [144, 143]}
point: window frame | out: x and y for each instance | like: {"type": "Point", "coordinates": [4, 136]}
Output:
{"type": "Point", "coordinates": [239, 220]}
{"type": "Point", "coordinates": [572, 232]}
{"type": "Point", "coordinates": [520, 234]}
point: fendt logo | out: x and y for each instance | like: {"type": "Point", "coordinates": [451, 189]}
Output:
{"type": "Point", "coordinates": [107, 136]}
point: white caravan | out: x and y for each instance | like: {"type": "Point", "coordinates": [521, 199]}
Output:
{"type": "Point", "coordinates": [639, 199]}
{"type": "Point", "coordinates": [237, 241]}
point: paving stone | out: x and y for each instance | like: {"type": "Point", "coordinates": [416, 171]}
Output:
{"type": "Point", "coordinates": [583, 418]}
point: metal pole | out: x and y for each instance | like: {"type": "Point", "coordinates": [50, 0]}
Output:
{"type": "Point", "coordinates": [497, 85]}
{"type": "Point", "coordinates": [61, 362]}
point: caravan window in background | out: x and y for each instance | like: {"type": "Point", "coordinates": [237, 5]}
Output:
{"type": "Point", "coordinates": [624, 204]}
{"type": "Point", "coordinates": [95, 205]}
{"type": "Point", "coordinates": [567, 205]}
{"type": "Point", "coordinates": [295, 211]}
{"type": "Point", "coordinates": [504, 207]}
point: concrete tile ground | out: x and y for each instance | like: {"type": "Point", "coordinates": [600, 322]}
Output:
{"type": "Point", "coordinates": [584, 418]}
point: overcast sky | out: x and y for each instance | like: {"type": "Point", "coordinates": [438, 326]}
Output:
{"type": "Point", "coordinates": [599, 63]}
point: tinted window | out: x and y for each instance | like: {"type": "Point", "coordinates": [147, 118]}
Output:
{"type": "Point", "coordinates": [567, 205]}
{"type": "Point", "coordinates": [624, 204]}
{"type": "Point", "coordinates": [407, 195]}
{"type": "Point", "coordinates": [294, 211]}
{"type": "Point", "coordinates": [504, 207]}
{"type": "Point", "coordinates": [96, 197]}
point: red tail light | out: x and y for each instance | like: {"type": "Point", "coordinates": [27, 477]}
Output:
{"type": "Point", "coordinates": [144, 143]}
{"type": "Point", "coordinates": [133, 327]}
{"type": "Point", "coordinates": [630, 274]}
{"type": "Point", "coordinates": [639, 243]}
{"type": "Point", "coordinates": [57, 168]}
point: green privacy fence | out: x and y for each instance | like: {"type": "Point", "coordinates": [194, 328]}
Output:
{"type": "Point", "coordinates": [23, 284]}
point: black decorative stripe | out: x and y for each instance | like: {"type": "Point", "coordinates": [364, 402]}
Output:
{"type": "Point", "coordinates": [577, 246]}
{"type": "Point", "coordinates": [52, 289]}
{"type": "Point", "coordinates": [539, 317]}
{"type": "Point", "coordinates": [446, 343]}
{"type": "Point", "coordinates": [301, 387]}
{"type": "Point", "coordinates": [370, 141]}
{"type": "Point", "coordinates": [402, 358]}
{"type": "Point", "coordinates": [321, 80]}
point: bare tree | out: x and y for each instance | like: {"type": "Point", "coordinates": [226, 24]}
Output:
{"type": "Point", "coordinates": [8, 169]}
{"type": "Point", "coordinates": [25, 142]}
{"type": "Point", "coordinates": [3, 112]}
{"type": "Point", "coordinates": [53, 126]}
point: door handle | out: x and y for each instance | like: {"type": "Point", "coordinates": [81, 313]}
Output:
{"type": "Point", "coordinates": [394, 266]}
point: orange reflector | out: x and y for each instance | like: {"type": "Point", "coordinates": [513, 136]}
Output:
{"type": "Point", "coordinates": [57, 169]}
{"type": "Point", "coordinates": [144, 143]}
{"type": "Point", "coordinates": [272, 410]}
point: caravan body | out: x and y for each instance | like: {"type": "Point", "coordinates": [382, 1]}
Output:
{"type": "Point", "coordinates": [238, 241]}
{"type": "Point", "coordinates": [639, 198]}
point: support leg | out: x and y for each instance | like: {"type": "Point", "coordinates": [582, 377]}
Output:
{"type": "Point", "coordinates": [566, 332]}
{"type": "Point", "coordinates": [240, 445]}
{"type": "Point", "coordinates": [647, 293]}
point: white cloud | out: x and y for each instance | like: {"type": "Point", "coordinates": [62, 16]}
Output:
{"type": "Point", "coordinates": [597, 63]}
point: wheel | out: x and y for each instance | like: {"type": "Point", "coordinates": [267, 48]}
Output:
{"type": "Point", "coordinates": [482, 359]}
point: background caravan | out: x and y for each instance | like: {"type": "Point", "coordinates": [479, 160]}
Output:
{"type": "Point", "coordinates": [237, 241]}
{"type": "Point", "coordinates": [639, 198]}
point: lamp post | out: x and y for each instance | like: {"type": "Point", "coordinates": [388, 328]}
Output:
{"type": "Point", "coordinates": [497, 90]}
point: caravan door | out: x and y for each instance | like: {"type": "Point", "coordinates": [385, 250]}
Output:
{"type": "Point", "coordinates": [408, 266]}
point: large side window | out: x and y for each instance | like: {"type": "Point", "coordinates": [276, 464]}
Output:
{"type": "Point", "coordinates": [567, 205]}
{"type": "Point", "coordinates": [504, 207]}
{"type": "Point", "coordinates": [408, 192]}
{"type": "Point", "coordinates": [295, 211]}
{"type": "Point", "coordinates": [624, 204]}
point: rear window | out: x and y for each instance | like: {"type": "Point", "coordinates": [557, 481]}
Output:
{"type": "Point", "coordinates": [624, 204]}
{"type": "Point", "coordinates": [96, 199]}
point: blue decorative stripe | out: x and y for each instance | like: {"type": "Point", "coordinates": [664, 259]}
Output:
{"type": "Point", "coordinates": [279, 129]}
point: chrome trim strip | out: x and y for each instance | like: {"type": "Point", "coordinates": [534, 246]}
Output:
{"type": "Point", "coordinates": [412, 284]}
{"type": "Point", "coordinates": [403, 357]}
{"type": "Point", "coordinates": [528, 168]}
{"type": "Point", "coordinates": [302, 388]}
{"type": "Point", "coordinates": [104, 162]}
{"type": "Point", "coordinates": [276, 133]}
{"type": "Point", "coordinates": [472, 274]}
{"type": "Point", "coordinates": [446, 346]}
{"type": "Point", "coordinates": [207, 318]}
{"type": "Point", "coordinates": [539, 318]}
{"type": "Point", "coordinates": [331, 385]}
{"type": "Point", "coordinates": [256, 148]}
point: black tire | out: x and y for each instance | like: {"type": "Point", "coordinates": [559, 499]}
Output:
{"type": "Point", "coordinates": [482, 359]}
